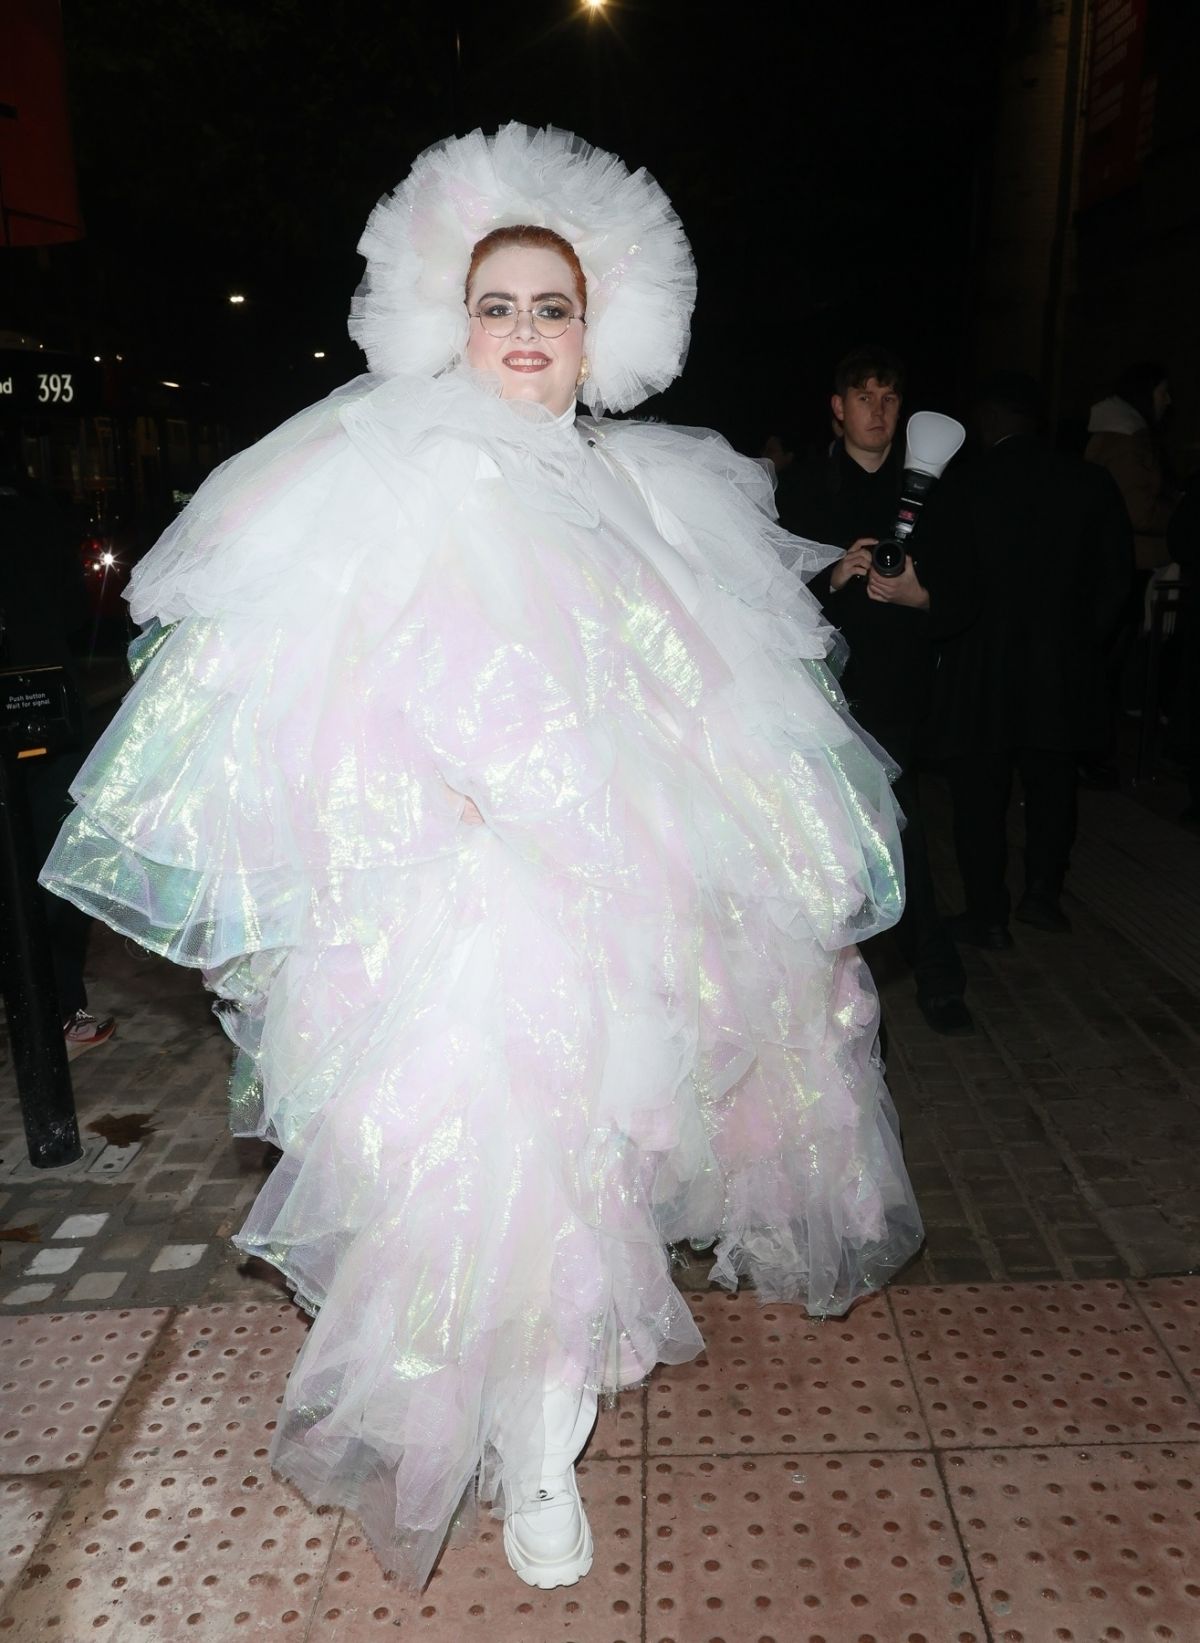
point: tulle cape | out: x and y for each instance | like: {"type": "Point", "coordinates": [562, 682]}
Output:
{"type": "Point", "coordinates": [509, 1064]}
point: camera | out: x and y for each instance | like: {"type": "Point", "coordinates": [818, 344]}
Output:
{"type": "Point", "coordinates": [931, 440]}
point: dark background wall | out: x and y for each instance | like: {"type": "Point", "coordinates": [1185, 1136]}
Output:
{"type": "Point", "coordinates": [910, 174]}
{"type": "Point", "coordinates": [824, 159]}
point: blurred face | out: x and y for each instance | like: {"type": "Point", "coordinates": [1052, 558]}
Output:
{"type": "Point", "coordinates": [539, 283]}
{"type": "Point", "coordinates": [868, 416]}
{"type": "Point", "coordinates": [777, 453]}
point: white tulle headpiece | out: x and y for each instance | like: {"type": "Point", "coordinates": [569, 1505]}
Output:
{"type": "Point", "coordinates": [408, 314]}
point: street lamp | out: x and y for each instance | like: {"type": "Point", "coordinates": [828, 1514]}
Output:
{"type": "Point", "coordinates": [237, 299]}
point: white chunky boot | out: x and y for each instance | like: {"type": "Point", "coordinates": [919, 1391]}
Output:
{"type": "Point", "coordinates": [547, 1538]}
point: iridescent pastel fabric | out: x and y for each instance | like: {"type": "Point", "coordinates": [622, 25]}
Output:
{"type": "Point", "coordinates": [507, 1065]}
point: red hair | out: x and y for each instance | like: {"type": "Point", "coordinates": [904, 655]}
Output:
{"type": "Point", "coordinates": [540, 239]}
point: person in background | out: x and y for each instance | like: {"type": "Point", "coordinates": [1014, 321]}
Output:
{"type": "Point", "coordinates": [847, 495]}
{"type": "Point", "coordinates": [1022, 687]}
{"type": "Point", "coordinates": [1183, 545]}
{"type": "Point", "coordinates": [1122, 432]}
{"type": "Point", "coordinates": [43, 601]}
{"type": "Point", "coordinates": [1123, 438]}
{"type": "Point", "coordinates": [779, 448]}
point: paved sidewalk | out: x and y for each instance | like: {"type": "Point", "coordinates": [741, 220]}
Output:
{"type": "Point", "coordinates": [975, 1464]}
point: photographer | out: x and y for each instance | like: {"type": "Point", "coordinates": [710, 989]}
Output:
{"type": "Point", "coordinates": [848, 496]}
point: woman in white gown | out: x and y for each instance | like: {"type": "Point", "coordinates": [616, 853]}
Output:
{"type": "Point", "coordinates": [487, 762]}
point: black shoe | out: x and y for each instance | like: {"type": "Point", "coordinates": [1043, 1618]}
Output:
{"type": "Point", "coordinates": [1101, 778]}
{"type": "Point", "coordinates": [948, 1016]}
{"type": "Point", "coordinates": [970, 932]}
{"type": "Point", "coordinates": [1044, 913]}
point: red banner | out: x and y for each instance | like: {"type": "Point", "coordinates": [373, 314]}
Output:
{"type": "Point", "coordinates": [1111, 155]}
{"type": "Point", "coordinates": [39, 204]}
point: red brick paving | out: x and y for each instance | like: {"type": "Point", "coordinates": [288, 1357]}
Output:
{"type": "Point", "coordinates": [966, 1464]}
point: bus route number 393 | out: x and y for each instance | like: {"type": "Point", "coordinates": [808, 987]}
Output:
{"type": "Point", "coordinates": [55, 388]}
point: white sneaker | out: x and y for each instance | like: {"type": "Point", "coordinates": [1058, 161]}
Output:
{"type": "Point", "coordinates": [548, 1540]}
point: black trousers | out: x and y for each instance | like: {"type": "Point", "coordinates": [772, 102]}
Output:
{"type": "Point", "coordinates": [1124, 665]}
{"type": "Point", "coordinates": [921, 934]}
{"type": "Point", "coordinates": [981, 785]}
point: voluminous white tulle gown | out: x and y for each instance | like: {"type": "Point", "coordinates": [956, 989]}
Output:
{"type": "Point", "coordinates": [509, 1064]}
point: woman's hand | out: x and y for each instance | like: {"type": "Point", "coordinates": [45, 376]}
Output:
{"type": "Point", "coordinates": [468, 810]}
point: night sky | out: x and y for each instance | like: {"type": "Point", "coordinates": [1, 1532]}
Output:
{"type": "Point", "coordinates": [829, 163]}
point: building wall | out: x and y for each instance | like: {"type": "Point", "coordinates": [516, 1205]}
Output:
{"type": "Point", "coordinates": [1137, 292]}
{"type": "Point", "coordinates": [1017, 273]}
{"type": "Point", "coordinates": [1089, 253]}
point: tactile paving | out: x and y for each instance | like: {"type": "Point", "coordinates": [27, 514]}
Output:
{"type": "Point", "coordinates": [1082, 1546]}
{"type": "Point", "coordinates": [1040, 1363]}
{"type": "Point", "coordinates": [839, 1532]}
{"type": "Point", "coordinates": [475, 1595]}
{"type": "Point", "coordinates": [620, 1431]}
{"type": "Point", "coordinates": [1173, 1308]}
{"type": "Point", "coordinates": [773, 1380]}
{"type": "Point", "coordinates": [177, 1528]}
{"type": "Point", "coordinates": [26, 1508]}
{"type": "Point", "coordinates": [804, 1549]}
{"type": "Point", "coordinates": [61, 1377]}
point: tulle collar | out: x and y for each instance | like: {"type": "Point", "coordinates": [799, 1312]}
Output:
{"type": "Point", "coordinates": [534, 419]}
{"type": "Point", "coordinates": [541, 455]}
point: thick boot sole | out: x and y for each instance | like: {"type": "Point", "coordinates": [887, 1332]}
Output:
{"type": "Point", "coordinates": [563, 1571]}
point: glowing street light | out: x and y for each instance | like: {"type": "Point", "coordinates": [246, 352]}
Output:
{"type": "Point", "coordinates": [237, 299]}
{"type": "Point", "coordinates": [319, 353]}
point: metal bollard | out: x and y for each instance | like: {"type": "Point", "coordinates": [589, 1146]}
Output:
{"type": "Point", "coordinates": [34, 716]}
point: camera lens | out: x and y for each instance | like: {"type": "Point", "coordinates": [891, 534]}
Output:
{"type": "Point", "coordinates": [888, 557]}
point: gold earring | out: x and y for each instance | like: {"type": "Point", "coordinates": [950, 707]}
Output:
{"type": "Point", "coordinates": [585, 372]}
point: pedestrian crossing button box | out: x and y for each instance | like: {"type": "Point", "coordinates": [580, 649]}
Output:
{"type": "Point", "coordinates": [39, 712]}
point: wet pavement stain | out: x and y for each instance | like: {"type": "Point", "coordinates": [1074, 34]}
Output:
{"type": "Point", "coordinates": [22, 1235]}
{"type": "Point", "coordinates": [123, 1129]}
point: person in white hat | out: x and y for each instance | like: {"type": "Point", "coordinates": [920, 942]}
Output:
{"type": "Point", "coordinates": [486, 760]}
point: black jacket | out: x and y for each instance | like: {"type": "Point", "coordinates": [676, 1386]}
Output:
{"type": "Point", "coordinates": [889, 674]}
{"type": "Point", "coordinates": [1054, 549]}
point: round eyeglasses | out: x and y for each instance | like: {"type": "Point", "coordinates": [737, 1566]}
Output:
{"type": "Point", "coordinates": [500, 318]}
